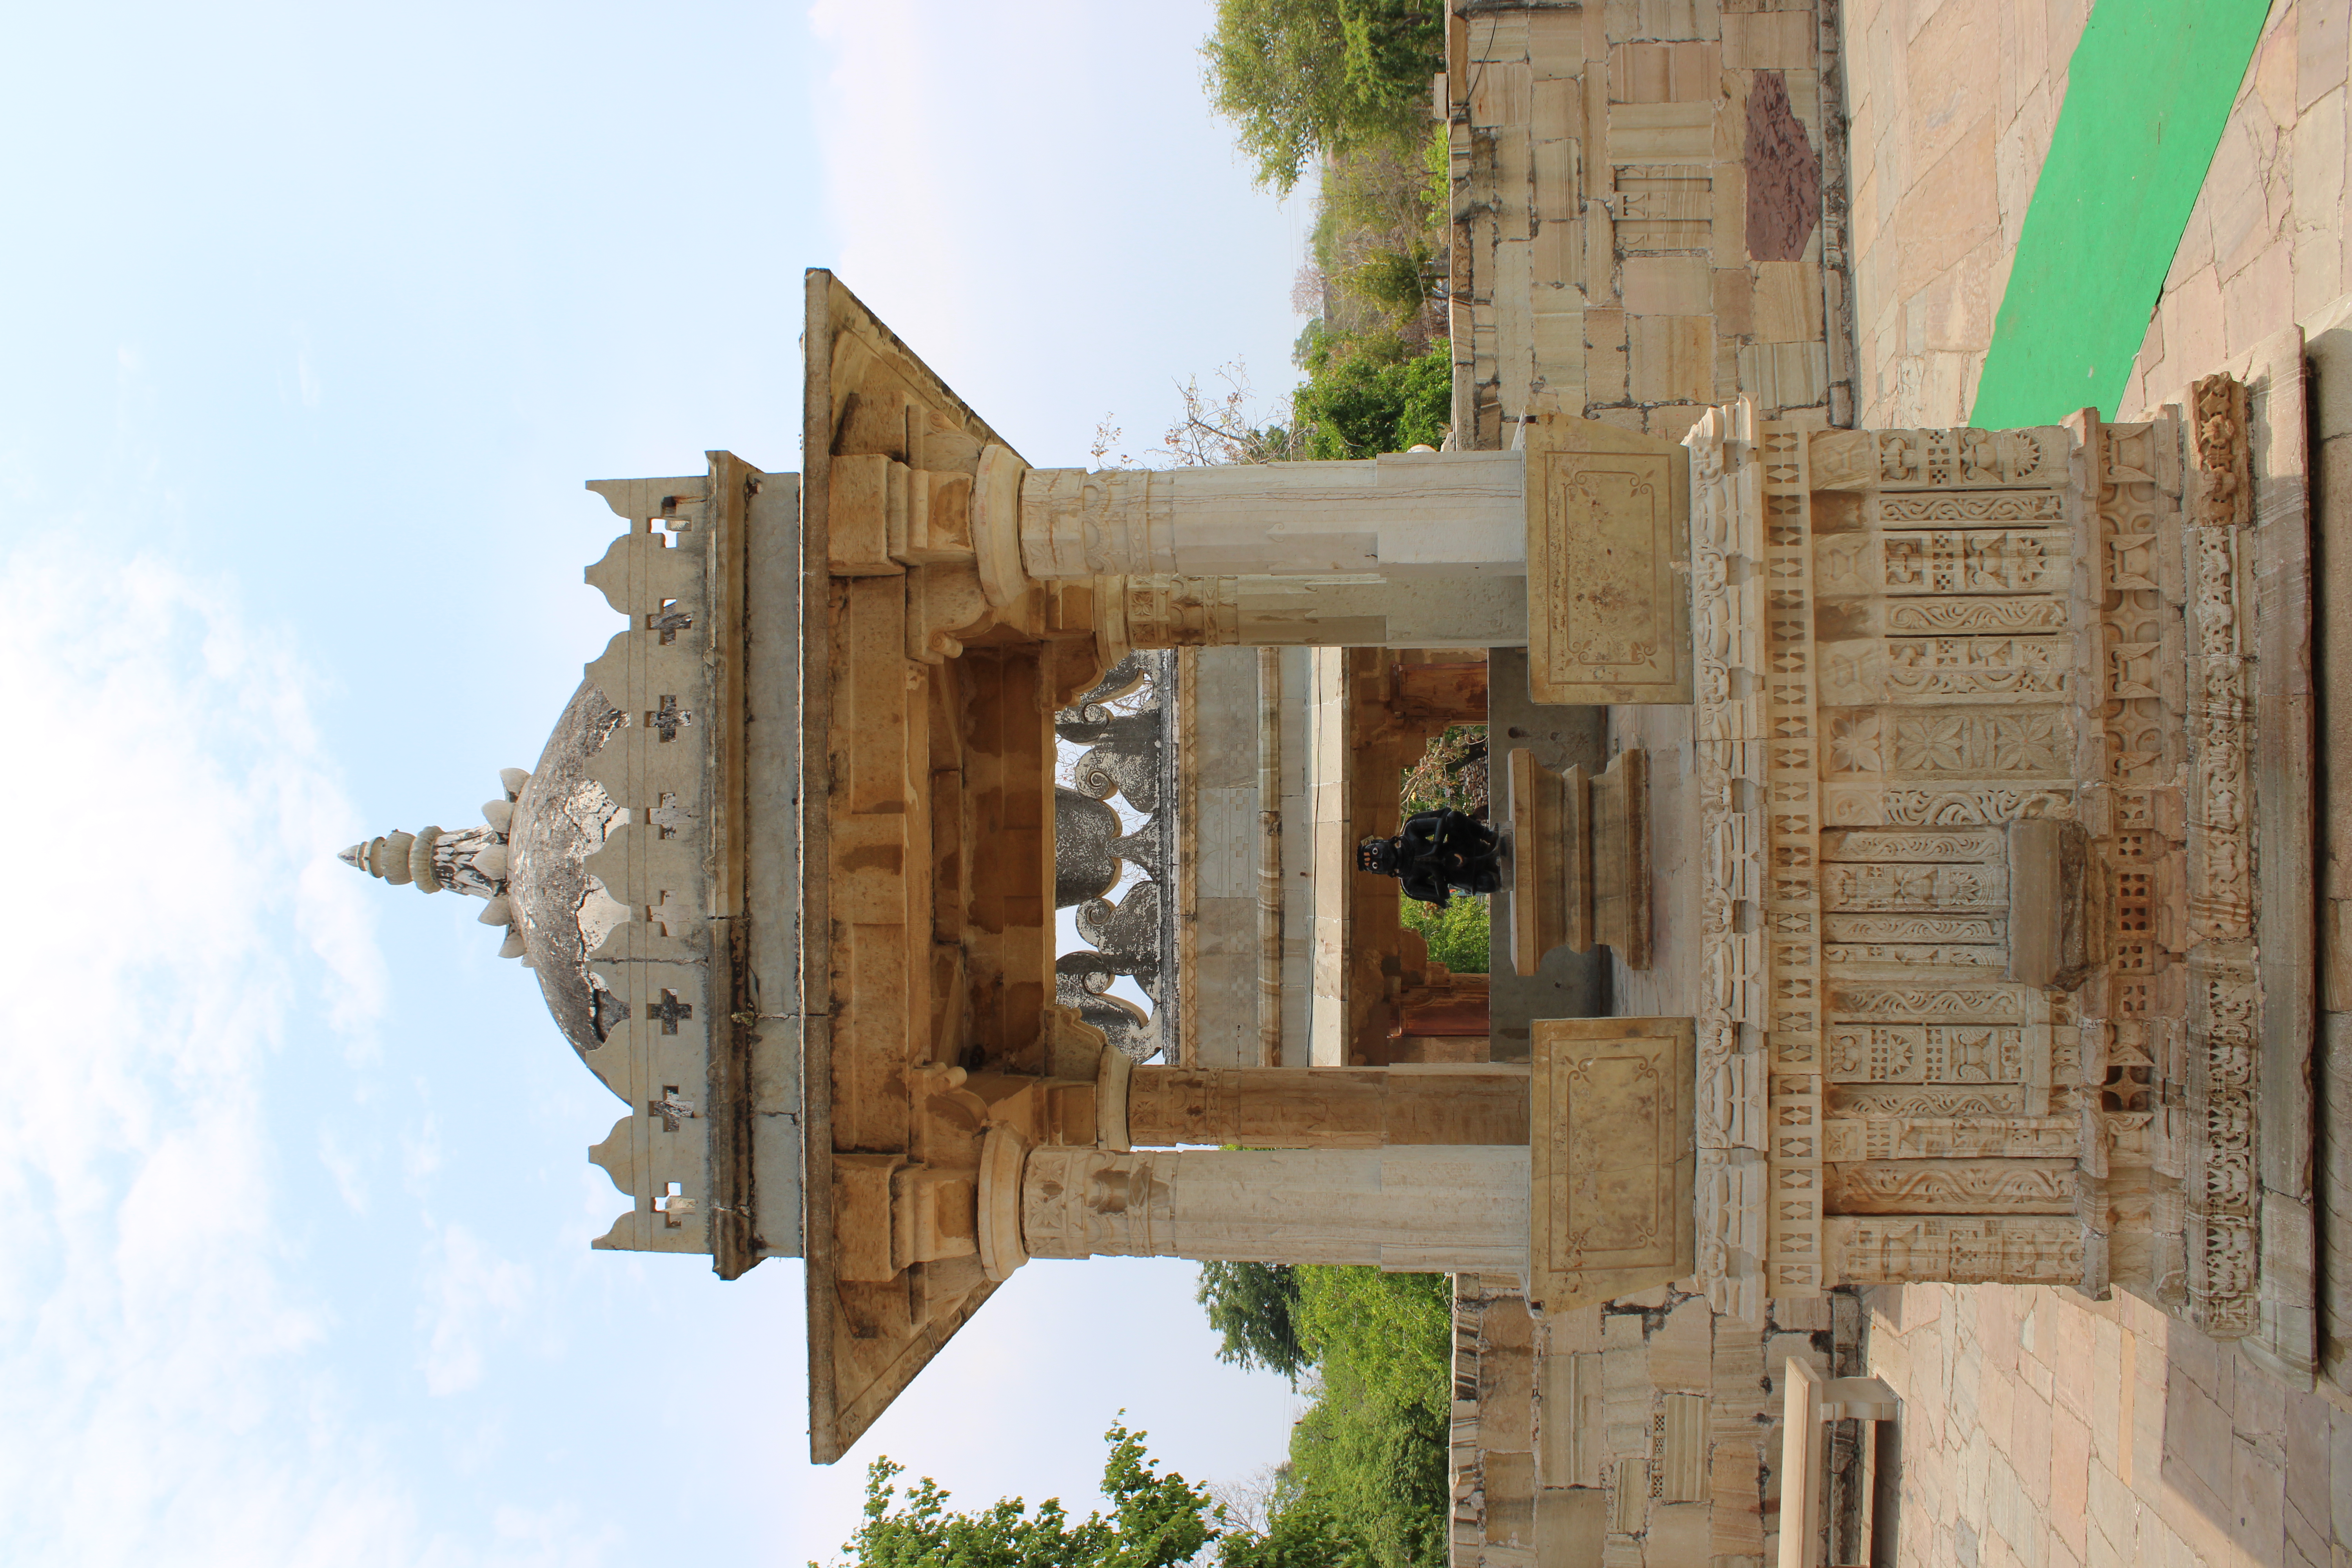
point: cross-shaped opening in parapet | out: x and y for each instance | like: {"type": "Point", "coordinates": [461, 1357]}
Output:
{"type": "Point", "coordinates": [670, 1201]}
{"type": "Point", "coordinates": [669, 1108]}
{"type": "Point", "coordinates": [668, 719]}
{"type": "Point", "coordinates": [662, 914]}
{"type": "Point", "coordinates": [669, 620]}
{"type": "Point", "coordinates": [666, 803]}
{"type": "Point", "coordinates": [669, 1010]}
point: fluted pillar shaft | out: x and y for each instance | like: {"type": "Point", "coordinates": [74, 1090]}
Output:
{"type": "Point", "coordinates": [1410, 1210]}
{"type": "Point", "coordinates": [1329, 1108]}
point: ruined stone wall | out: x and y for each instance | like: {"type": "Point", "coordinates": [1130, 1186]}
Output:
{"type": "Point", "coordinates": [1648, 212]}
{"type": "Point", "coordinates": [1644, 1432]}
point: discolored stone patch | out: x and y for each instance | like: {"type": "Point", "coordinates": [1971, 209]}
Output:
{"type": "Point", "coordinates": [1784, 174]}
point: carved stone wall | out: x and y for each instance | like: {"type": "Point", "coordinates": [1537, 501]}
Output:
{"type": "Point", "coordinates": [1908, 642]}
{"type": "Point", "coordinates": [1127, 726]}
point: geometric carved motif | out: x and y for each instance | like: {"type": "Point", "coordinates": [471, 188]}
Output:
{"type": "Point", "coordinates": [1799, 888]}
{"type": "Point", "coordinates": [1907, 886]}
{"type": "Point", "coordinates": [1979, 1137]}
{"type": "Point", "coordinates": [1974, 561]}
{"type": "Point", "coordinates": [2021, 1249]}
{"type": "Point", "coordinates": [1926, 1053]}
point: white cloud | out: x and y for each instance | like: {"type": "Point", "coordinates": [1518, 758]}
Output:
{"type": "Point", "coordinates": [470, 1293]}
{"type": "Point", "coordinates": [167, 799]}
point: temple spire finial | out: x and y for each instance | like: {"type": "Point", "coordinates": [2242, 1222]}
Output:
{"type": "Point", "coordinates": [473, 860]}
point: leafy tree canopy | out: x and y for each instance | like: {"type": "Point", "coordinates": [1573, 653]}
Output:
{"type": "Point", "coordinates": [1157, 1521]}
{"type": "Point", "coordinates": [1371, 401]}
{"type": "Point", "coordinates": [1303, 77]}
{"type": "Point", "coordinates": [1254, 1306]}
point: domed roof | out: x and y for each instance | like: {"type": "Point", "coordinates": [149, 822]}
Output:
{"type": "Point", "coordinates": [562, 912]}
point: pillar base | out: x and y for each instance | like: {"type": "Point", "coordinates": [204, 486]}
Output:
{"type": "Point", "coordinates": [1579, 858]}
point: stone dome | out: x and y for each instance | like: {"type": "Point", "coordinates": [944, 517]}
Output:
{"type": "Point", "coordinates": [560, 911]}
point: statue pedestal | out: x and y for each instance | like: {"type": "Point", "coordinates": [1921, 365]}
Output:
{"type": "Point", "coordinates": [1579, 858]}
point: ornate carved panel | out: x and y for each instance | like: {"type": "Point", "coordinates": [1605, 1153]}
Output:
{"type": "Point", "coordinates": [1613, 1157]}
{"type": "Point", "coordinates": [2032, 1250]}
{"type": "Point", "coordinates": [2003, 1185]}
{"type": "Point", "coordinates": [1608, 616]}
{"type": "Point", "coordinates": [1128, 724]}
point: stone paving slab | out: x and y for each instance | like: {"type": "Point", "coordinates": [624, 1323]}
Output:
{"type": "Point", "coordinates": [2041, 1429]}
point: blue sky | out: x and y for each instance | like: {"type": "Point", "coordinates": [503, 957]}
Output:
{"type": "Point", "coordinates": [316, 320]}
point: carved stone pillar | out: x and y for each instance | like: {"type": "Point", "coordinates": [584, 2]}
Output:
{"type": "Point", "coordinates": [1329, 1108]}
{"type": "Point", "coordinates": [1452, 513]}
{"type": "Point", "coordinates": [1406, 1210]}
{"type": "Point", "coordinates": [1423, 550]}
{"type": "Point", "coordinates": [1423, 611]}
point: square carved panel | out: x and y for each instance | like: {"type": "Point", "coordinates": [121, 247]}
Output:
{"type": "Point", "coordinates": [1614, 1160]}
{"type": "Point", "coordinates": [1608, 565]}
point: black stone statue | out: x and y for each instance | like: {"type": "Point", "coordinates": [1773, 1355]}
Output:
{"type": "Point", "coordinates": [1439, 853]}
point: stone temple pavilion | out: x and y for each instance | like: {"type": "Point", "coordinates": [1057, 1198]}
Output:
{"type": "Point", "coordinates": [1964, 942]}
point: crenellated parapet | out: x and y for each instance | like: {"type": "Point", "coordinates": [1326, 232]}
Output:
{"type": "Point", "coordinates": [710, 1163]}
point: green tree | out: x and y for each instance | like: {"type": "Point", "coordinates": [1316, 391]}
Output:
{"type": "Point", "coordinates": [1254, 1306]}
{"type": "Point", "coordinates": [1303, 77]}
{"type": "Point", "coordinates": [1456, 935]}
{"type": "Point", "coordinates": [1366, 1484]}
{"type": "Point", "coordinates": [1371, 1452]}
{"type": "Point", "coordinates": [1155, 1522]}
{"type": "Point", "coordinates": [1363, 403]}
{"type": "Point", "coordinates": [1300, 1532]}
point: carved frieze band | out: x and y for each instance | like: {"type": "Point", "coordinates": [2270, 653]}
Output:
{"type": "Point", "coordinates": [1127, 724]}
{"type": "Point", "coordinates": [1733, 1065]}
{"type": "Point", "coordinates": [1795, 889]}
{"type": "Point", "coordinates": [2225, 1002]}
{"type": "Point", "coordinates": [2023, 1250]}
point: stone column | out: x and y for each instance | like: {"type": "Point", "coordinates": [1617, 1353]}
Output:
{"type": "Point", "coordinates": [1410, 550]}
{"type": "Point", "coordinates": [1407, 1210]}
{"type": "Point", "coordinates": [1329, 1108]}
{"type": "Point", "coordinates": [1447, 513]}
